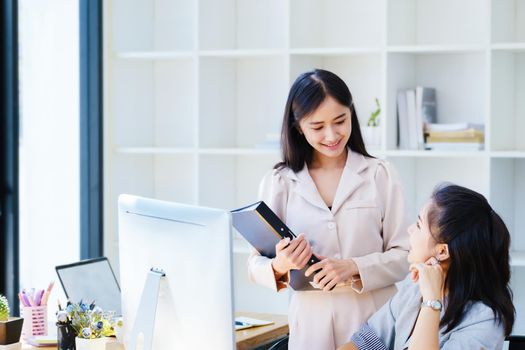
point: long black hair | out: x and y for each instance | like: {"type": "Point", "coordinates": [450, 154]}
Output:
{"type": "Point", "coordinates": [478, 243]}
{"type": "Point", "coordinates": [306, 94]}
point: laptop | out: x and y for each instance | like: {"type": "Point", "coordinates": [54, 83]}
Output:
{"type": "Point", "coordinates": [91, 280]}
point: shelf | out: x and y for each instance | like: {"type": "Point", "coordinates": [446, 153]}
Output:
{"type": "Point", "coordinates": [436, 154]}
{"type": "Point", "coordinates": [196, 89]}
{"type": "Point", "coordinates": [436, 22]}
{"type": "Point", "coordinates": [508, 21]}
{"type": "Point", "coordinates": [507, 196]}
{"type": "Point", "coordinates": [335, 23]}
{"type": "Point", "coordinates": [420, 175]}
{"type": "Point", "coordinates": [231, 24]}
{"type": "Point", "coordinates": [241, 151]}
{"type": "Point", "coordinates": [181, 55]}
{"type": "Point", "coordinates": [155, 150]}
{"type": "Point", "coordinates": [154, 55]}
{"type": "Point", "coordinates": [436, 49]}
{"type": "Point", "coordinates": [460, 81]}
{"type": "Point", "coordinates": [242, 53]}
{"type": "Point", "coordinates": [508, 101]}
{"type": "Point", "coordinates": [248, 94]}
{"type": "Point", "coordinates": [231, 181]}
{"type": "Point", "coordinates": [514, 47]}
{"type": "Point", "coordinates": [507, 154]}
{"type": "Point", "coordinates": [336, 51]}
{"type": "Point", "coordinates": [206, 151]}
{"type": "Point", "coordinates": [139, 25]}
{"type": "Point", "coordinates": [153, 103]}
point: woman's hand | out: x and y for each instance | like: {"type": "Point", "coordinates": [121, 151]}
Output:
{"type": "Point", "coordinates": [329, 272]}
{"type": "Point", "coordinates": [430, 278]}
{"type": "Point", "coordinates": [292, 254]}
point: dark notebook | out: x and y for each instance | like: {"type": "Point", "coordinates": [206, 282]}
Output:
{"type": "Point", "coordinates": [262, 228]}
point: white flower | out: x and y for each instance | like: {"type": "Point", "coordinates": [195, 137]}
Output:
{"type": "Point", "coordinates": [86, 332]}
{"type": "Point", "coordinates": [62, 316]}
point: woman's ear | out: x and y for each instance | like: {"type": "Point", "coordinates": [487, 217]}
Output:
{"type": "Point", "coordinates": [442, 252]}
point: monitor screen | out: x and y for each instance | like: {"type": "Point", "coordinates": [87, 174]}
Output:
{"type": "Point", "coordinates": [193, 246]}
{"type": "Point", "coordinates": [91, 280]}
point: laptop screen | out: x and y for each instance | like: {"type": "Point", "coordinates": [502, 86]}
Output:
{"type": "Point", "coordinates": [91, 280]}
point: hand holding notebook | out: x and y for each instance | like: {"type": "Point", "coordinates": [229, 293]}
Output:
{"type": "Point", "coordinates": [263, 229]}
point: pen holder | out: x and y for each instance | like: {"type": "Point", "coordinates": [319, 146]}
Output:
{"type": "Point", "coordinates": [35, 321]}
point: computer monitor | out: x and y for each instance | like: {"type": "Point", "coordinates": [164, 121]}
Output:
{"type": "Point", "coordinates": [193, 246]}
{"type": "Point", "coordinates": [91, 280]}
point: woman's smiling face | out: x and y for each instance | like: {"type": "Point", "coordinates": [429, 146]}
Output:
{"type": "Point", "coordinates": [328, 128]}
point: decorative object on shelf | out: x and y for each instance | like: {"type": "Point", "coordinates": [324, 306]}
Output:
{"type": "Point", "coordinates": [10, 327]}
{"type": "Point", "coordinates": [87, 324]}
{"type": "Point", "coordinates": [372, 132]}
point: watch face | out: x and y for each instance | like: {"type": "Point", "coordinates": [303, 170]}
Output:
{"type": "Point", "coordinates": [436, 304]}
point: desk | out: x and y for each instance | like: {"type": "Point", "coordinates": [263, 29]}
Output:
{"type": "Point", "coordinates": [251, 337]}
{"type": "Point", "coordinates": [245, 338]}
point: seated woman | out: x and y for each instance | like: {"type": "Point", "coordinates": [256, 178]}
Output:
{"type": "Point", "coordinates": [457, 295]}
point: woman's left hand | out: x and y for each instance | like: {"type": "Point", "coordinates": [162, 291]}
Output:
{"type": "Point", "coordinates": [330, 272]}
{"type": "Point", "coordinates": [430, 278]}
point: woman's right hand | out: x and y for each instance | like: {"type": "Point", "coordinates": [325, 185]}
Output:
{"type": "Point", "coordinates": [292, 254]}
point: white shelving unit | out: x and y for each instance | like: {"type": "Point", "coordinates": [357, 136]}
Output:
{"type": "Point", "coordinates": [192, 87]}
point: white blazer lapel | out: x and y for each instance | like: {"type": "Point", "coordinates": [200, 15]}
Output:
{"type": "Point", "coordinates": [350, 180]}
{"type": "Point", "coordinates": [305, 187]}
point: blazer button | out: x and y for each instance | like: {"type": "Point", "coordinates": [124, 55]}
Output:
{"type": "Point", "coordinates": [331, 225]}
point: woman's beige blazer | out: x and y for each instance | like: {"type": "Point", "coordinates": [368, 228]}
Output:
{"type": "Point", "coordinates": [367, 223]}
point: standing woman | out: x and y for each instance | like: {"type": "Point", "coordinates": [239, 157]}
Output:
{"type": "Point", "coordinates": [349, 208]}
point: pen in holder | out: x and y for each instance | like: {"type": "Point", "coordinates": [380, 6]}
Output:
{"type": "Point", "coordinates": [35, 320]}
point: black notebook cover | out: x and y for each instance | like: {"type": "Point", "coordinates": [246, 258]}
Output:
{"type": "Point", "coordinates": [262, 228]}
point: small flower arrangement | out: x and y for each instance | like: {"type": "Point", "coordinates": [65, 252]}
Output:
{"type": "Point", "coordinates": [87, 320]}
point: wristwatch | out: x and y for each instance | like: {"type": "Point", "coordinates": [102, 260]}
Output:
{"type": "Point", "coordinates": [433, 304]}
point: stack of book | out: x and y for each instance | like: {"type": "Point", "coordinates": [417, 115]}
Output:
{"type": "Point", "coordinates": [461, 136]}
{"type": "Point", "coordinates": [415, 109]}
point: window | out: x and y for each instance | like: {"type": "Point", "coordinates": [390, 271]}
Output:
{"type": "Point", "coordinates": [49, 139]}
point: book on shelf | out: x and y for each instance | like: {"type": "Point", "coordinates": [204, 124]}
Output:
{"type": "Point", "coordinates": [454, 146]}
{"type": "Point", "coordinates": [263, 229]}
{"type": "Point", "coordinates": [415, 109]}
{"type": "Point", "coordinates": [454, 127]}
{"type": "Point", "coordinates": [402, 121]}
{"type": "Point", "coordinates": [434, 139]}
{"type": "Point", "coordinates": [415, 133]}
{"type": "Point", "coordinates": [426, 105]}
{"type": "Point", "coordinates": [467, 133]}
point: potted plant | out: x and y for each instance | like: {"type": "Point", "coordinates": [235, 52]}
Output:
{"type": "Point", "coordinates": [372, 131]}
{"type": "Point", "coordinates": [90, 325]}
{"type": "Point", "coordinates": [10, 327]}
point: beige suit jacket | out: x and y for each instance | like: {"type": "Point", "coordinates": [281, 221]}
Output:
{"type": "Point", "coordinates": [367, 223]}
